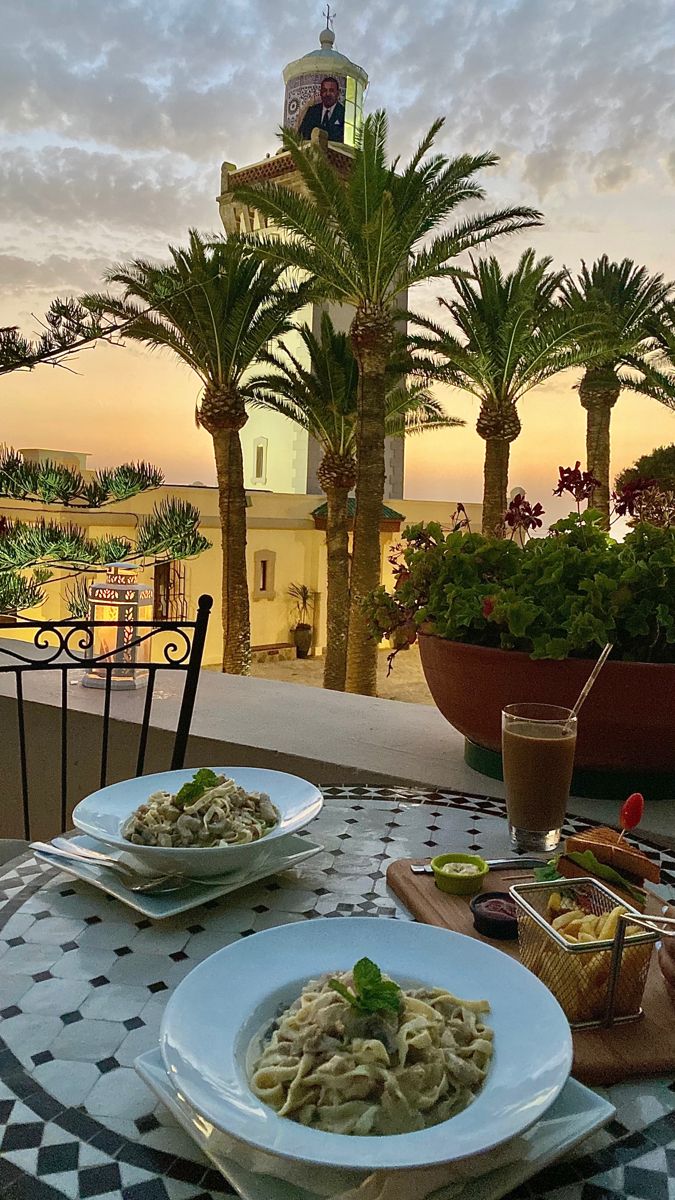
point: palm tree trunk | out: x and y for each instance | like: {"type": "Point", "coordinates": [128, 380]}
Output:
{"type": "Point", "coordinates": [337, 591]}
{"type": "Point", "coordinates": [599, 391]}
{"type": "Point", "coordinates": [232, 510]}
{"type": "Point", "coordinates": [495, 485]}
{"type": "Point", "coordinates": [598, 418]}
{"type": "Point", "coordinates": [371, 336]}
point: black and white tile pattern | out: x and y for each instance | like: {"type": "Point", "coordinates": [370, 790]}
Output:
{"type": "Point", "coordinates": [84, 981]}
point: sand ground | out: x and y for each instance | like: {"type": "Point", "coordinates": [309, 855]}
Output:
{"type": "Point", "coordinates": [406, 681]}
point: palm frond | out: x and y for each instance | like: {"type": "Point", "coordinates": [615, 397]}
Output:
{"type": "Point", "coordinates": [216, 305]}
{"type": "Point", "coordinates": [363, 238]}
{"type": "Point", "coordinates": [622, 303]}
{"type": "Point", "coordinates": [508, 334]}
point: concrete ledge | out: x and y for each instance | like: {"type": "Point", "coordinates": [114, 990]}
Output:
{"type": "Point", "coordinates": [327, 737]}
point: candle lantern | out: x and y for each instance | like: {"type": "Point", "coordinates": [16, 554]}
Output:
{"type": "Point", "coordinates": [123, 600]}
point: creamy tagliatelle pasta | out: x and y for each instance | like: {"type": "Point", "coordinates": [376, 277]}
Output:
{"type": "Point", "coordinates": [223, 815]}
{"type": "Point", "coordinates": [333, 1068]}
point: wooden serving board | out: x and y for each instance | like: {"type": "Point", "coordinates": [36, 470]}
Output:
{"type": "Point", "coordinates": [601, 1056]}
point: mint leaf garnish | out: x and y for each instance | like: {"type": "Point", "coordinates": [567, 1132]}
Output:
{"type": "Point", "coordinates": [195, 787]}
{"type": "Point", "coordinates": [371, 993]}
{"type": "Point", "coordinates": [340, 988]}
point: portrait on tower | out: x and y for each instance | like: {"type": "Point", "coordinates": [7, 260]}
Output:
{"type": "Point", "coordinates": [316, 101]}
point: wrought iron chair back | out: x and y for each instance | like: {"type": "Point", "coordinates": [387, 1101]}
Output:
{"type": "Point", "coordinates": [68, 646]}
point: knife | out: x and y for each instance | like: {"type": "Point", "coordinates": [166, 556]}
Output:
{"type": "Point", "coordinates": [496, 864]}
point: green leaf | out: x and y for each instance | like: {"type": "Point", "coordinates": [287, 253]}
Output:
{"type": "Point", "coordinates": [191, 791]}
{"type": "Point", "coordinates": [344, 992]}
{"type": "Point", "coordinates": [371, 993]}
{"type": "Point", "coordinates": [387, 997]}
{"type": "Point", "coordinates": [589, 862]}
{"type": "Point", "coordinates": [366, 975]}
{"type": "Point", "coordinates": [549, 873]}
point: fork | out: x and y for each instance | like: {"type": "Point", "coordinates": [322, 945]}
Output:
{"type": "Point", "coordinates": [147, 884]}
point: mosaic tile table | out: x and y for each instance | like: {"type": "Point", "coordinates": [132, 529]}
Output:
{"type": "Point", "coordinates": [84, 980]}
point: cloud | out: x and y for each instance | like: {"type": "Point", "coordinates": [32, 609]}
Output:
{"type": "Point", "coordinates": [614, 178]}
{"type": "Point", "coordinates": [57, 272]}
{"type": "Point", "coordinates": [73, 187]}
{"type": "Point", "coordinates": [116, 118]}
{"type": "Point", "coordinates": [545, 169]}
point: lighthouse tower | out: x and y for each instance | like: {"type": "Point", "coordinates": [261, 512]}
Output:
{"type": "Point", "coordinates": [323, 101]}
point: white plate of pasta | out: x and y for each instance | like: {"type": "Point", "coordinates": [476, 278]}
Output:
{"type": "Point", "coordinates": [363, 1042]}
{"type": "Point", "coordinates": [204, 821]}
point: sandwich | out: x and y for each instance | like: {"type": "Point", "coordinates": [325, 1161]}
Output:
{"type": "Point", "coordinates": [605, 855]}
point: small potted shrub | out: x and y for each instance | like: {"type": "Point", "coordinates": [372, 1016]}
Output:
{"type": "Point", "coordinates": [302, 630]}
{"type": "Point", "coordinates": [499, 621]}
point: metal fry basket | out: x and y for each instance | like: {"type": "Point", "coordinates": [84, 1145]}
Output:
{"type": "Point", "coordinates": [596, 983]}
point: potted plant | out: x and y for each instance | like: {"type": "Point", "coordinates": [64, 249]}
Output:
{"type": "Point", "coordinates": [499, 622]}
{"type": "Point", "coordinates": [304, 603]}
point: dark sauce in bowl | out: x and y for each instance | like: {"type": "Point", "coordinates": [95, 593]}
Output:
{"type": "Point", "coordinates": [494, 915]}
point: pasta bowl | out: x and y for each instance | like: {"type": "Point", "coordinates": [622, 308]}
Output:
{"type": "Point", "coordinates": [103, 814]}
{"type": "Point", "coordinates": [210, 1027]}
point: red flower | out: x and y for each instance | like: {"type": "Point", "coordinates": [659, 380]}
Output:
{"type": "Point", "coordinates": [488, 605]}
{"type": "Point", "coordinates": [625, 500]}
{"type": "Point", "coordinates": [580, 484]}
{"type": "Point", "coordinates": [522, 515]}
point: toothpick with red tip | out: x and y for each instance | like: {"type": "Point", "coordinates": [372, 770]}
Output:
{"type": "Point", "coordinates": [631, 812]}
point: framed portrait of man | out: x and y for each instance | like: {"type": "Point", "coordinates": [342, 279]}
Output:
{"type": "Point", "coordinates": [316, 102]}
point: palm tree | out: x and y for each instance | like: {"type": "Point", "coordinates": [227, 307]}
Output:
{"type": "Point", "coordinates": [216, 306]}
{"type": "Point", "coordinates": [321, 395]}
{"type": "Point", "coordinates": [511, 336]}
{"type": "Point", "coordinates": [622, 301]}
{"type": "Point", "coordinates": [366, 239]}
{"type": "Point", "coordinates": [657, 377]}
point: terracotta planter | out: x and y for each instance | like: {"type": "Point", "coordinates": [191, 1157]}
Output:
{"type": "Point", "coordinates": [626, 724]}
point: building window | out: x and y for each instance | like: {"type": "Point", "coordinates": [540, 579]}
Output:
{"type": "Point", "coordinates": [353, 110]}
{"type": "Point", "coordinates": [263, 574]}
{"type": "Point", "coordinates": [169, 583]}
{"type": "Point", "coordinates": [260, 460]}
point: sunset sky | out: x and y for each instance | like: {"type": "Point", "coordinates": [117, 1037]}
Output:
{"type": "Point", "coordinates": [115, 118]}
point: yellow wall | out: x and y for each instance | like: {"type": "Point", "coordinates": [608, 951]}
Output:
{"type": "Point", "coordinates": [279, 523]}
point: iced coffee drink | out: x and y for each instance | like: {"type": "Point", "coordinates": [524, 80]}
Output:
{"type": "Point", "coordinates": [538, 744]}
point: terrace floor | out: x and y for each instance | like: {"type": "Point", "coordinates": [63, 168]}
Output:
{"type": "Point", "coordinates": [405, 682]}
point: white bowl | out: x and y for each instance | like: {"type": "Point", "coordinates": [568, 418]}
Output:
{"type": "Point", "coordinates": [103, 814]}
{"type": "Point", "coordinates": [229, 998]}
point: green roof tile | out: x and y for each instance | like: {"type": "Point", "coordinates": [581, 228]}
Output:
{"type": "Point", "coordinates": [388, 514]}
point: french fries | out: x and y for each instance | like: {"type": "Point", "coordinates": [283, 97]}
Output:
{"type": "Point", "coordinates": [575, 925]}
{"type": "Point", "coordinates": [579, 981]}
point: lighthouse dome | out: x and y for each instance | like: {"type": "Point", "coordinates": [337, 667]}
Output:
{"type": "Point", "coordinates": [325, 89]}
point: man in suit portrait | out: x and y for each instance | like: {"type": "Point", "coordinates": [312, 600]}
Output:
{"type": "Point", "coordinates": [328, 114]}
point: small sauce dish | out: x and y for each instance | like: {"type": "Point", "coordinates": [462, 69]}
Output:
{"type": "Point", "coordinates": [459, 874]}
{"type": "Point", "coordinates": [494, 915]}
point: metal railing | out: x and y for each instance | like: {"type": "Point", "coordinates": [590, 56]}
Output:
{"type": "Point", "coordinates": [68, 645]}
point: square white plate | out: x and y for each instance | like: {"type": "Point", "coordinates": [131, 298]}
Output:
{"type": "Point", "coordinates": [292, 850]}
{"type": "Point", "coordinates": [576, 1114]}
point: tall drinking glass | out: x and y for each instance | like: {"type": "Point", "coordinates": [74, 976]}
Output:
{"type": "Point", "coordinates": [538, 744]}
